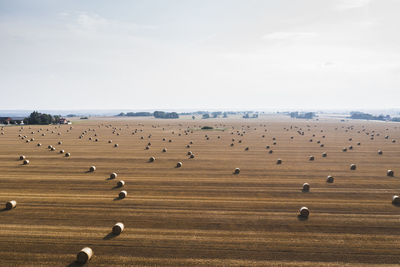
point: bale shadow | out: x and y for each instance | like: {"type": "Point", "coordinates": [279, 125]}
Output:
{"type": "Point", "coordinates": [109, 178]}
{"type": "Point", "coordinates": [302, 218]}
{"type": "Point", "coordinates": [117, 198]}
{"type": "Point", "coordinates": [305, 191]}
{"type": "Point", "coordinates": [115, 187]}
{"type": "Point", "coordinates": [75, 264]}
{"type": "Point", "coordinates": [396, 204]}
{"type": "Point", "coordinates": [109, 236]}
{"type": "Point", "coordinates": [4, 209]}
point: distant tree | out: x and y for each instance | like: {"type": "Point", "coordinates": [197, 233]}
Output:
{"type": "Point", "coordinates": [165, 115]}
{"type": "Point", "coordinates": [193, 117]}
{"type": "Point", "coordinates": [41, 118]}
{"type": "Point", "coordinates": [216, 114]}
{"type": "Point", "coordinates": [225, 115]}
{"type": "Point", "coordinates": [365, 116]}
{"type": "Point", "coordinates": [138, 114]}
{"type": "Point", "coordinates": [121, 114]}
{"type": "Point", "coordinates": [206, 116]}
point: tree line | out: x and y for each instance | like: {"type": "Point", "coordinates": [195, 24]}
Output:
{"type": "Point", "coordinates": [41, 118]}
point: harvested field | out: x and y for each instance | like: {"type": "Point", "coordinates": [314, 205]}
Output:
{"type": "Point", "coordinates": [201, 214]}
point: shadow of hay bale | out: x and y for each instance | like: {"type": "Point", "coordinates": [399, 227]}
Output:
{"type": "Point", "coordinates": [109, 236]}
{"type": "Point", "coordinates": [75, 264]}
{"type": "Point", "coordinates": [302, 218]}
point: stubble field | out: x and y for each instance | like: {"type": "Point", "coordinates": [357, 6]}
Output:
{"type": "Point", "coordinates": [201, 214]}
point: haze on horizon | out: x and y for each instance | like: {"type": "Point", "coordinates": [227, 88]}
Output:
{"type": "Point", "coordinates": [227, 54]}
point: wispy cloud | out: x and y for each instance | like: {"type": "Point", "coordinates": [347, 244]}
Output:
{"type": "Point", "coordinates": [92, 22]}
{"type": "Point", "coordinates": [288, 35]}
{"type": "Point", "coordinates": [351, 4]}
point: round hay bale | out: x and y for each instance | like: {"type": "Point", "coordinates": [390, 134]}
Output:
{"type": "Point", "coordinates": [113, 175]}
{"type": "Point", "coordinates": [22, 157]}
{"type": "Point", "coordinates": [164, 150]}
{"type": "Point", "coordinates": [147, 147]}
{"type": "Point", "coordinates": [246, 149]}
{"type": "Point", "coordinates": [92, 168]}
{"type": "Point", "coordinates": [67, 154]}
{"type": "Point", "coordinates": [390, 173]}
{"type": "Point", "coordinates": [393, 141]}
{"type": "Point", "coordinates": [358, 144]}
{"type": "Point", "coordinates": [353, 167]}
{"type": "Point", "coordinates": [192, 156]}
{"type": "Point", "coordinates": [306, 187]}
{"type": "Point", "coordinates": [59, 142]}
{"type": "Point", "coordinates": [350, 147]}
{"type": "Point", "coordinates": [344, 149]}
{"type": "Point", "coordinates": [109, 141]}
{"type": "Point", "coordinates": [278, 161]}
{"type": "Point", "coordinates": [120, 183]}
{"type": "Point", "coordinates": [118, 228]}
{"type": "Point", "coordinates": [304, 212]}
{"type": "Point", "coordinates": [236, 171]}
{"type": "Point", "coordinates": [26, 162]}
{"type": "Point", "coordinates": [11, 204]}
{"type": "Point", "coordinates": [39, 144]}
{"type": "Point", "coordinates": [330, 179]}
{"type": "Point", "coordinates": [396, 200]}
{"type": "Point", "coordinates": [324, 154]}
{"type": "Point", "coordinates": [53, 148]}
{"type": "Point", "coordinates": [270, 151]}
{"type": "Point", "coordinates": [152, 159]}
{"type": "Point", "coordinates": [187, 146]}
{"type": "Point", "coordinates": [122, 194]}
{"type": "Point", "coordinates": [267, 147]}
{"type": "Point", "coordinates": [115, 145]}
{"type": "Point", "coordinates": [380, 152]}
{"type": "Point", "coordinates": [62, 151]}
{"type": "Point", "coordinates": [311, 158]}
{"type": "Point", "coordinates": [189, 153]}
{"type": "Point", "coordinates": [84, 255]}
{"type": "Point", "coordinates": [179, 164]}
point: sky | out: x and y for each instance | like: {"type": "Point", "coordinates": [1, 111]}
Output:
{"type": "Point", "coordinates": [204, 54]}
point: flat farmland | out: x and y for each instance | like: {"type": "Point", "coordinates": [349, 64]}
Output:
{"type": "Point", "coordinates": [201, 214]}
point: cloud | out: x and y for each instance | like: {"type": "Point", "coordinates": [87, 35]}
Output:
{"type": "Point", "coordinates": [92, 22]}
{"type": "Point", "coordinates": [289, 35]}
{"type": "Point", "coordinates": [351, 4]}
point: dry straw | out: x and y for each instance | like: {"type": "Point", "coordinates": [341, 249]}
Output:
{"type": "Point", "coordinates": [118, 228]}
{"type": "Point", "coordinates": [84, 255]}
{"type": "Point", "coordinates": [11, 204]}
{"type": "Point", "coordinates": [304, 212]}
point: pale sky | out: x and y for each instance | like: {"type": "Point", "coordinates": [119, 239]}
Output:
{"type": "Point", "coordinates": [204, 54]}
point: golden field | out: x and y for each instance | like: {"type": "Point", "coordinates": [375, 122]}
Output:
{"type": "Point", "coordinates": [201, 214]}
